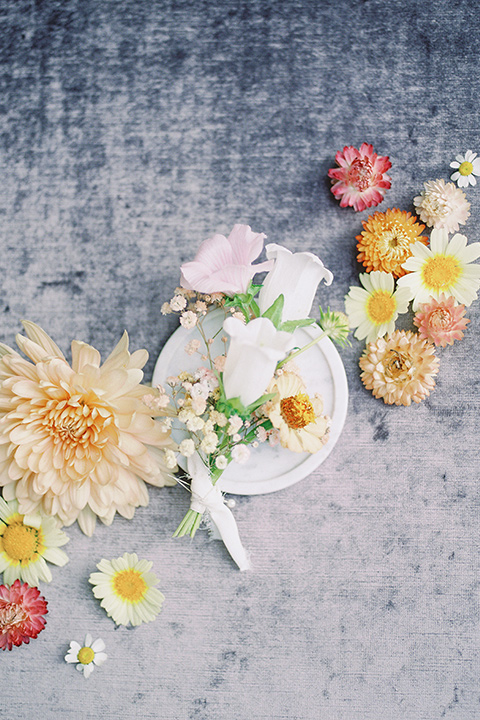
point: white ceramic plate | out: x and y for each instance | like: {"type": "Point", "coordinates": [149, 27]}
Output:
{"type": "Point", "coordinates": [271, 468]}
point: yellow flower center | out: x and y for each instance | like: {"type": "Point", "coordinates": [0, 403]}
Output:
{"type": "Point", "coordinates": [297, 411]}
{"type": "Point", "coordinates": [381, 307]}
{"type": "Point", "coordinates": [129, 585]}
{"type": "Point", "coordinates": [441, 272]}
{"type": "Point", "coordinates": [20, 542]}
{"type": "Point", "coordinates": [465, 168]}
{"type": "Point", "coordinates": [85, 655]}
{"type": "Point", "coordinates": [394, 236]}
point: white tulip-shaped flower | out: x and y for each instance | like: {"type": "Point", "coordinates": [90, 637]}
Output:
{"type": "Point", "coordinates": [253, 353]}
{"type": "Point", "coordinates": [295, 276]}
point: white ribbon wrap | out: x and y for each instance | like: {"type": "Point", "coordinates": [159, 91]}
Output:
{"type": "Point", "coordinates": [206, 496]}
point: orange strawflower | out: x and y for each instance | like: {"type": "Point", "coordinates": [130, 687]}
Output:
{"type": "Point", "coordinates": [385, 243]}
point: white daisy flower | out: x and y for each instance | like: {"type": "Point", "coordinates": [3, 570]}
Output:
{"type": "Point", "coordinates": [466, 167]}
{"type": "Point", "coordinates": [374, 308]}
{"type": "Point", "coordinates": [125, 587]}
{"type": "Point", "coordinates": [88, 655]}
{"type": "Point", "coordinates": [444, 267]}
{"type": "Point", "coordinates": [27, 543]}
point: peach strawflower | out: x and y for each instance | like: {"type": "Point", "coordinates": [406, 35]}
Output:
{"type": "Point", "coordinates": [385, 242]}
{"type": "Point", "coordinates": [361, 180]}
{"type": "Point", "coordinates": [441, 321]}
{"type": "Point", "coordinates": [442, 206]}
{"type": "Point", "coordinates": [77, 441]}
{"type": "Point", "coordinates": [22, 611]}
{"type": "Point", "coordinates": [399, 368]}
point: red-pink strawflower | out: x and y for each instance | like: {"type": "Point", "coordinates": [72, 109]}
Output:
{"type": "Point", "coordinates": [441, 321]}
{"type": "Point", "coordinates": [361, 180]}
{"type": "Point", "coordinates": [21, 614]}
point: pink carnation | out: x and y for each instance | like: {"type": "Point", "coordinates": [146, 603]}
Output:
{"type": "Point", "coordinates": [441, 321]}
{"type": "Point", "coordinates": [224, 265]}
{"type": "Point", "coordinates": [361, 180]}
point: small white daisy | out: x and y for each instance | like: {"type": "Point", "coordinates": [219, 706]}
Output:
{"type": "Point", "coordinates": [125, 588]}
{"type": "Point", "coordinates": [87, 655]}
{"type": "Point", "coordinates": [466, 167]}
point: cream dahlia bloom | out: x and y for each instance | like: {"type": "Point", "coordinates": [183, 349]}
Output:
{"type": "Point", "coordinates": [77, 441]}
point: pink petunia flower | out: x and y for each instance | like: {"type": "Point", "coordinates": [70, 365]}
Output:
{"type": "Point", "coordinates": [361, 180]}
{"type": "Point", "coordinates": [225, 265]}
{"type": "Point", "coordinates": [441, 321]}
{"type": "Point", "coordinates": [21, 614]}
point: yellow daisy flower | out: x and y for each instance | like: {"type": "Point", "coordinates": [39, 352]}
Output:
{"type": "Point", "coordinates": [445, 267]}
{"type": "Point", "coordinates": [374, 308]}
{"type": "Point", "coordinates": [297, 416]}
{"type": "Point", "coordinates": [27, 543]}
{"type": "Point", "coordinates": [125, 587]}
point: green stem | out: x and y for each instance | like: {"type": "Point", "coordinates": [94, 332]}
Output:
{"type": "Point", "coordinates": [301, 350]}
{"type": "Point", "coordinates": [191, 521]}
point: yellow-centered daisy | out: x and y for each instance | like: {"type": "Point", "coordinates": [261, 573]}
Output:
{"type": "Point", "coordinates": [88, 655]}
{"type": "Point", "coordinates": [374, 308]}
{"type": "Point", "coordinates": [445, 267]}
{"type": "Point", "coordinates": [125, 588]}
{"type": "Point", "coordinates": [27, 543]}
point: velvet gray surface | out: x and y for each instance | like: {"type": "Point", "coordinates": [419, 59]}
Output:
{"type": "Point", "coordinates": [130, 132]}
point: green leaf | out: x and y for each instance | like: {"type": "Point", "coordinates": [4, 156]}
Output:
{"type": "Point", "coordinates": [274, 312]}
{"type": "Point", "coordinates": [291, 325]}
{"type": "Point", "coordinates": [261, 401]}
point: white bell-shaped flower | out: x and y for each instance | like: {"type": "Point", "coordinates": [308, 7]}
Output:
{"type": "Point", "coordinates": [296, 277]}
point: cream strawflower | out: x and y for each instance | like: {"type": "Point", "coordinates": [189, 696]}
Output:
{"type": "Point", "coordinates": [374, 309]}
{"type": "Point", "coordinates": [125, 587]}
{"type": "Point", "coordinates": [466, 167]}
{"type": "Point", "coordinates": [77, 441]}
{"type": "Point", "coordinates": [445, 267]}
{"type": "Point", "coordinates": [27, 542]}
{"type": "Point", "coordinates": [88, 655]}
{"type": "Point", "coordinates": [399, 368]}
{"type": "Point", "coordinates": [297, 416]}
{"type": "Point", "coordinates": [442, 205]}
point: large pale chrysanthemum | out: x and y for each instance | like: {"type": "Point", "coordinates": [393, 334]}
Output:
{"type": "Point", "coordinates": [77, 441]}
{"type": "Point", "coordinates": [298, 417]}
{"type": "Point", "coordinates": [399, 368]}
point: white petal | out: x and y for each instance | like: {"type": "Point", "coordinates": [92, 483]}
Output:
{"type": "Point", "coordinates": [100, 658]}
{"type": "Point", "coordinates": [98, 645]}
{"type": "Point", "coordinates": [88, 669]}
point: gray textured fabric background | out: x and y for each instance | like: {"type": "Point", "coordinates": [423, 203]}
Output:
{"type": "Point", "coordinates": [130, 132]}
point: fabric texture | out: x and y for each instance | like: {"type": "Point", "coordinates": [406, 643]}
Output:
{"type": "Point", "coordinates": [130, 132]}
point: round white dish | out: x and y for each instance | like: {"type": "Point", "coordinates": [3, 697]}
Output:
{"type": "Point", "coordinates": [270, 468]}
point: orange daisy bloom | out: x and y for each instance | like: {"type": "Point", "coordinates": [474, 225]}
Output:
{"type": "Point", "coordinates": [385, 241]}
